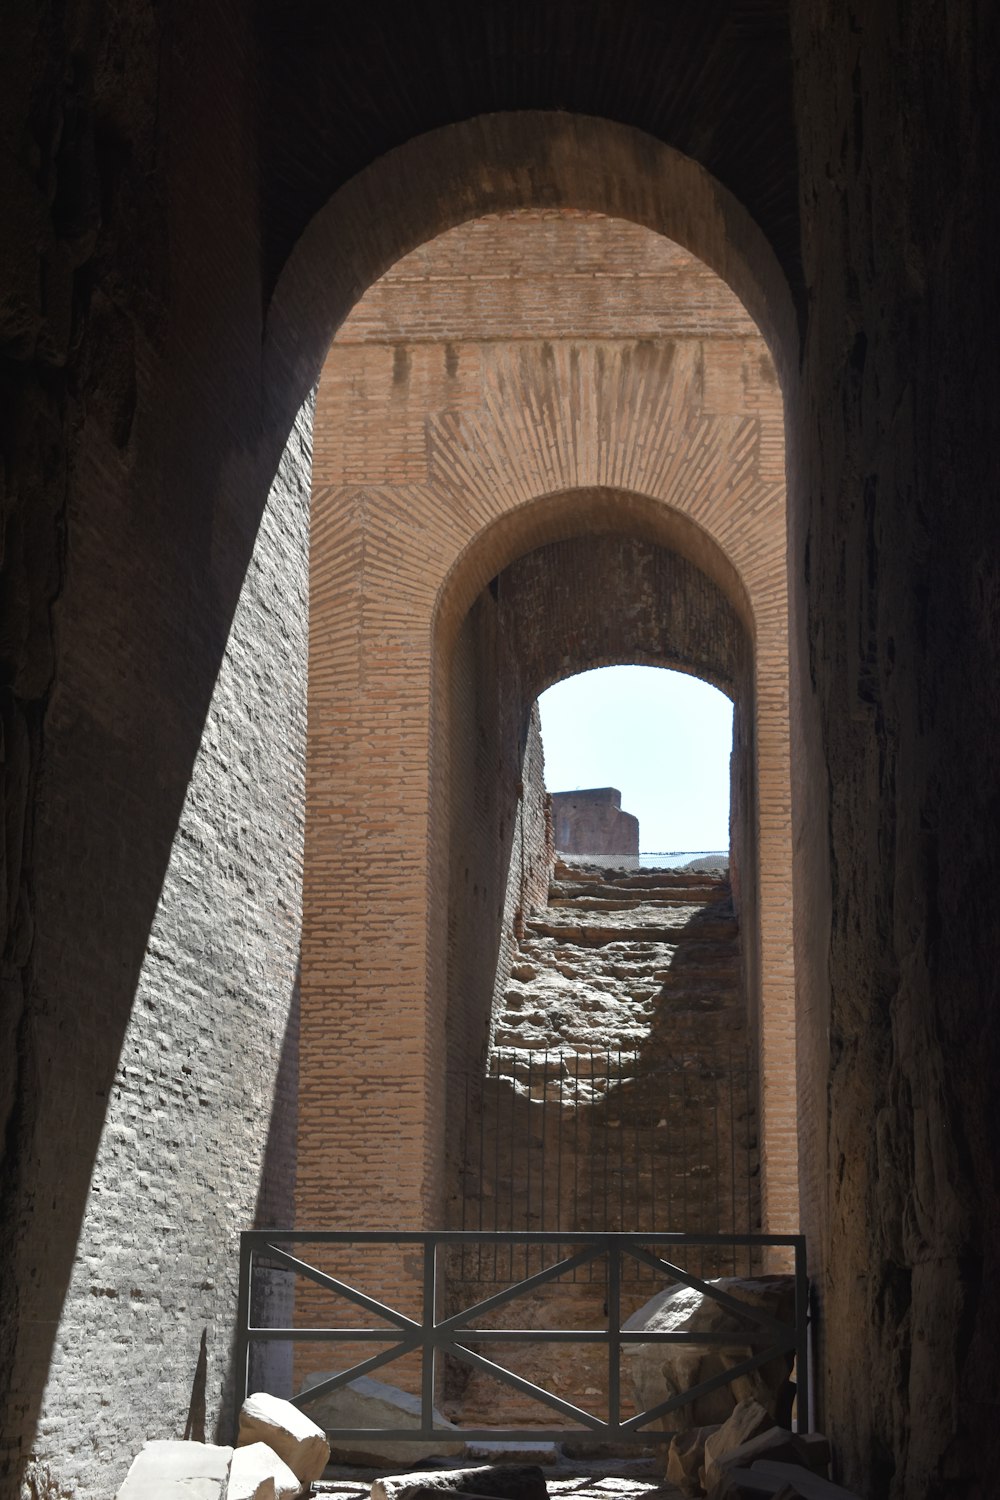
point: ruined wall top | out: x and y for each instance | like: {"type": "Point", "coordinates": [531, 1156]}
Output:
{"type": "Point", "coordinates": [592, 822]}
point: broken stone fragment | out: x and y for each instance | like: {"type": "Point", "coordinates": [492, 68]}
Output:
{"type": "Point", "coordinates": [686, 1459]}
{"type": "Point", "coordinates": [372, 1403]}
{"type": "Point", "coordinates": [174, 1470]}
{"type": "Point", "coordinates": [292, 1435]}
{"type": "Point", "coordinates": [502, 1482]}
{"type": "Point", "coordinates": [747, 1420]}
{"type": "Point", "coordinates": [811, 1486]}
{"type": "Point", "coordinates": [774, 1443]}
{"type": "Point", "coordinates": [257, 1473]}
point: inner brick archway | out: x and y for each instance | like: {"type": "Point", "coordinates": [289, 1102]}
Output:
{"type": "Point", "coordinates": [442, 453]}
{"type": "Point", "coordinates": [597, 599]}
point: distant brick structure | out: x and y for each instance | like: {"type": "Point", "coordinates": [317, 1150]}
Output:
{"type": "Point", "coordinates": [592, 822]}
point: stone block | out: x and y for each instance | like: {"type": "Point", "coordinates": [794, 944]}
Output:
{"type": "Point", "coordinates": [775, 1443]}
{"type": "Point", "coordinates": [257, 1473]}
{"type": "Point", "coordinates": [175, 1470]}
{"type": "Point", "coordinates": [289, 1432]}
{"type": "Point", "coordinates": [372, 1403]}
{"type": "Point", "coordinates": [686, 1459]}
{"type": "Point", "coordinates": [500, 1482]}
{"type": "Point", "coordinates": [811, 1486]}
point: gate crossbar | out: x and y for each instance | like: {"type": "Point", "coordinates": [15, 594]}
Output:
{"type": "Point", "coordinates": [434, 1339]}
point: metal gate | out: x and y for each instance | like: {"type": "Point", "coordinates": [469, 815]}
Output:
{"type": "Point", "coordinates": [463, 1335]}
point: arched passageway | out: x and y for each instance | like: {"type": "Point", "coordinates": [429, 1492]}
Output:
{"type": "Point", "coordinates": [161, 174]}
{"type": "Point", "coordinates": [441, 456]}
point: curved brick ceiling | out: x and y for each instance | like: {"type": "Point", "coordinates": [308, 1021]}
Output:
{"type": "Point", "coordinates": [342, 85]}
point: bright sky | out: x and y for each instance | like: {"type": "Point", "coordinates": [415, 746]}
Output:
{"type": "Point", "coordinates": [663, 738]}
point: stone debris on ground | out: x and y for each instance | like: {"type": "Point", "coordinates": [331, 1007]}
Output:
{"type": "Point", "coordinates": [747, 1420]}
{"type": "Point", "coordinates": [292, 1435]}
{"type": "Point", "coordinates": [686, 1459]}
{"type": "Point", "coordinates": [773, 1443]}
{"type": "Point", "coordinates": [279, 1454]}
{"type": "Point", "coordinates": [257, 1473]}
{"type": "Point", "coordinates": [367, 1403]}
{"type": "Point", "coordinates": [658, 1373]}
{"type": "Point", "coordinates": [168, 1469]}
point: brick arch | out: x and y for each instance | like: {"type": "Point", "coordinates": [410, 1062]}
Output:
{"type": "Point", "coordinates": [619, 598]}
{"type": "Point", "coordinates": [569, 513]}
{"type": "Point", "coordinates": [557, 586]}
{"type": "Point", "coordinates": [598, 597]}
{"type": "Point", "coordinates": [495, 163]}
{"type": "Point", "coordinates": [422, 450]}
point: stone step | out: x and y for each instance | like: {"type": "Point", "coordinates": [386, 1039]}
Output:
{"type": "Point", "coordinates": [624, 903]}
{"type": "Point", "coordinates": [703, 889]}
{"type": "Point", "coordinates": [637, 879]}
{"type": "Point", "coordinates": [593, 935]}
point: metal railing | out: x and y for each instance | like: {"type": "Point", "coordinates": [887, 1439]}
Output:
{"type": "Point", "coordinates": [675, 860]}
{"type": "Point", "coordinates": [455, 1336]}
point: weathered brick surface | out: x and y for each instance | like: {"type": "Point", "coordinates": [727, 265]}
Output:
{"type": "Point", "coordinates": [895, 548]}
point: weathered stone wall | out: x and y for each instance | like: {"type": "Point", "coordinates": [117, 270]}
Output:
{"type": "Point", "coordinates": [894, 569]}
{"type": "Point", "coordinates": [500, 853]}
{"type": "Point", "coordinates": [199, 1136]}
{"type": "Point", "coordinates": [136, 465]}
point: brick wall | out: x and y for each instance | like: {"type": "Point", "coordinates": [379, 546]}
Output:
{"type": "Point", "coordinates": [439, 461]}
{"type": "Point", "coordinates": [199, 1137]}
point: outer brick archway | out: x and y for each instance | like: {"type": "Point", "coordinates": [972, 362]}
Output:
{"type": "Point", "coordinates": [438, 460]}
{"type": "Point", "coordinates": [496, 163]}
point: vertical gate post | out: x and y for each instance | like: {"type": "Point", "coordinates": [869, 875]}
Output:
{"type": "Point", "coordinates": [803, 1392]}
{"type": "Point", "coordinates": [614, 1332]}
{"type": "Point", "coordinates": [241, 1373]}
{"type": "Point", "coordinates": [429, 1357]}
